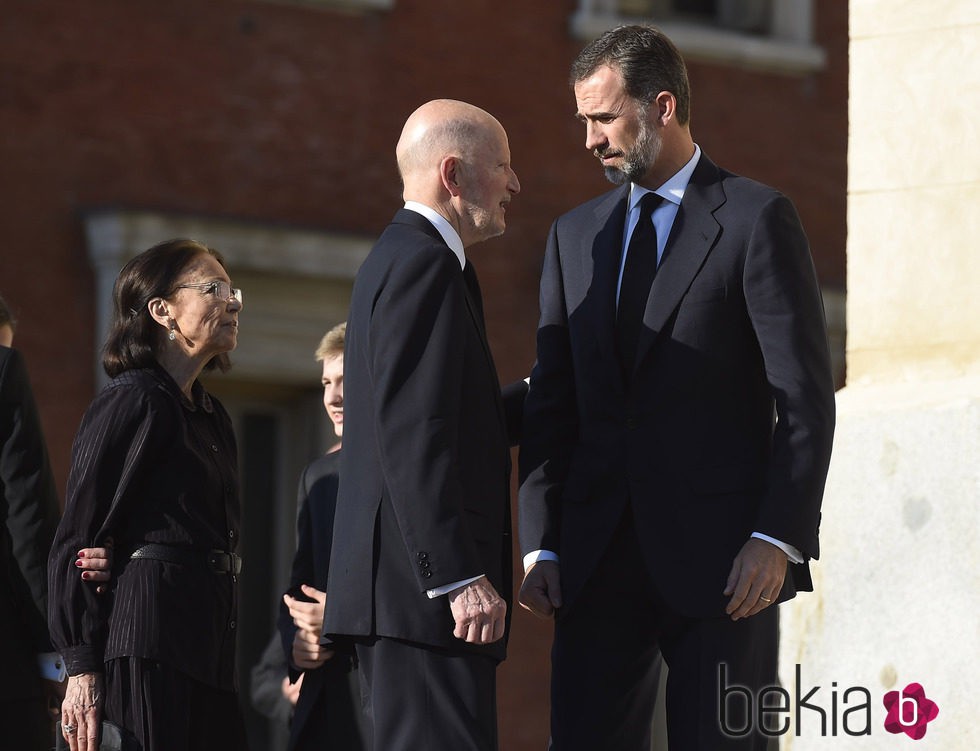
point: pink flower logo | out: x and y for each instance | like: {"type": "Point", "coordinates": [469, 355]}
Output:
{"type": "Point", "coordinates": [909, 711]}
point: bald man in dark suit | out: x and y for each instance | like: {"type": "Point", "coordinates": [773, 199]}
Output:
{"type": "Point", "coordinates": [420, 567]}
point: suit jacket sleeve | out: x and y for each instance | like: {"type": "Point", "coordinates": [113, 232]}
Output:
{"type": "Point", "coordinates": [302, 571]}
{"type": "Point", "coordinates": [550, 425]}
{"type": "Point", "coordinates": [28, 495]}
{"type": "Point", "coordinates": [513, 396]}
{"type": "Point", "coordinates": [418, 324]}
{"type": "Point", "coordinates": [786, 311]}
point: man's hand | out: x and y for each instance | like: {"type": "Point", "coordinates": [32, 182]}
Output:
{"type": "Point", "coordinates": [96, 565]}
{"type": "Point", "coordinates": [756, 578]}
{"type": "Point", "coordinates": [478, 611]}
{"type": "Point", "coordinates": [308, 653]}
{"type": "Point", "coordinates": [307, 615]}
{"type": "Point", "coordinates": [541, 590]}
{"type": "Point", "coordinates": [54, 695]}
{"type": "Point", "coordinates": [291, 690]}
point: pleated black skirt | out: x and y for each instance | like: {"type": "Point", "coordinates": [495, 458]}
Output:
{"type": "Point", "coordinates": [165, 710]}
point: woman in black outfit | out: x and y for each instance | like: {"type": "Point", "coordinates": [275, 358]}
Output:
{"type": "Point", "coordinates": [154, 468]}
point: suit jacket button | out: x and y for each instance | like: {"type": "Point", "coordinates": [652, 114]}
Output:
{"type": "Point", "coordinates": [425, 564]}
{"type": "Point", "coordinates": [423, 555]}
{"type": "Point", "coordinates": [426, 574]}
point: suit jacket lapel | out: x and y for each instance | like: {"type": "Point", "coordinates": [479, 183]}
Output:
{"type": "Point", "coordinates": [691, 238]}
{"type": "Point", "coordinates": [474, 303]}
{"type": "Point", "coordinates": [471, 287]}
{"type": "Point", "coordinates": [607, 249]}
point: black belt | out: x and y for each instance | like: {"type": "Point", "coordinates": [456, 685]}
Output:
{"type": "Point", "coordinates": [218, 561]}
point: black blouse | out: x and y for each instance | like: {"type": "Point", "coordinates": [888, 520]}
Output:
{"type": "Point", "coordinates": [149, 466]}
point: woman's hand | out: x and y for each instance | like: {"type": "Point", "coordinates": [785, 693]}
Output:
{"type": "Point", "coordinates": [96, 565]}
{"type": "Point", "coordinates": [81, 711]}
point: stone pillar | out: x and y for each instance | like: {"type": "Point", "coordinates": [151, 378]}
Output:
{"type": "Point", "coordinates": [898, 584]}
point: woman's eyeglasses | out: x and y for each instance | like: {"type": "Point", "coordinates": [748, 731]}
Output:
{"type": "Point", "coordinates": [221, 290]}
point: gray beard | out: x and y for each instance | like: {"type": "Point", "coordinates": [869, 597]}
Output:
{"type": "Point", "coordinates": [631, 172]}
{"type": "Point", "coordinates": [615, 176]}
{"type": "Point", "coordinates": [638, 161]}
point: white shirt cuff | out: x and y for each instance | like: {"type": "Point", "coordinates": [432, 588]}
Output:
{"type": "Point", "coordinates": [539, 555]}
{"type": "Point", "coordinates": [51, 667]}
{"type": "Point", "coordinates": [447, 588]}
{"type": "Point", "coordinates": [794, 555]}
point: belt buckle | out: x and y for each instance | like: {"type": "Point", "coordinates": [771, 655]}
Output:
{"type": "Point", "coordinates": [225, 563]}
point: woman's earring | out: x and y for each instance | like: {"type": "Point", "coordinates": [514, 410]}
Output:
{"type": "Point", "coordinates": [173, 334]}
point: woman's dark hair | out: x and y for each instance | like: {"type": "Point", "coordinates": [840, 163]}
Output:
{"type": "Point", "coordinates": [647, 60]}
{"type": "Point", "coordinates": [6, 317]}
{"type": "Point", "coordinates": [134, 337]}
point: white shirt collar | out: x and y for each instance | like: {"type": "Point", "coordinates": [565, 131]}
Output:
{"type": "Point", "coordinates": [442, 225]}
{"type": "Point", "coordinates": [673, 189]}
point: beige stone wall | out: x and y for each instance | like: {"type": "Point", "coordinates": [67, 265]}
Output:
{"type": "Point", "coordinates": [913, 190]}
{"type": "Point", "coordinates": [898, 585]}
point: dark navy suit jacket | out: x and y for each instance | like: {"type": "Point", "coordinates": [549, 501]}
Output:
{"type": "Point", "coordinates": [724, 425]}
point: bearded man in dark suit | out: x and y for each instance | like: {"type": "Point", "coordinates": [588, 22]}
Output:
{"type": "Point", "coordinates": [678, 426]}
{"type": "Point", "coordinates": [420, 566]}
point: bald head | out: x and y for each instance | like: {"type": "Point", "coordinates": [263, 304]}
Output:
{"type": "Point", "coordinates": [454, 158]}
{"type": "Point", "coordinates": [441, 128]}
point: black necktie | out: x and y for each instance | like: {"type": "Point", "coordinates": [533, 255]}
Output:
{"type": "Point", "coordinates": [638, 273]}
{"type": "Point", "coordinates": [473, 287]}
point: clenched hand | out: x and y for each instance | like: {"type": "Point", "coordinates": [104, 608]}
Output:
{"type": "Point", "coordinates": [479, 612]}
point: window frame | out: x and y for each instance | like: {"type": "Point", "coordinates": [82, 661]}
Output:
{"type": "Point", "coordinates": [342, 5]}
{"type": "Point", "coordinates": [788, 47]}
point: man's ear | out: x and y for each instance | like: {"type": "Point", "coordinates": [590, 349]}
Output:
{"type": "Point", "coordinates": [449, 172]}
{"type": "Point", "coordinates": [664, 108]}
{"type": "Point", "coordinates": [159, 311]}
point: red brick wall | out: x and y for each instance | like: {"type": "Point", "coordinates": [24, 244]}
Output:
{"type": "Point", "coordinates": [289, 114]}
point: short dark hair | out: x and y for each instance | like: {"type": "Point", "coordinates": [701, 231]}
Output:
{"type": "Point", "coordinates": [134, 337]}
{"type": "Point", "coordinates": [646, 58]}
{"type": "Point", "coordinates": [6, 317]}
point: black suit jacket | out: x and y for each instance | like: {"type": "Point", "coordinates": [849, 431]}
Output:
{"type": "Point", "coordinates": [423, 496]}
{"type": "Point", "coordinates": [28, 518]}
{"type": "Point", "coordinates": [317, 501]}
{"type": "Point", "coordinates": [724, 427]}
